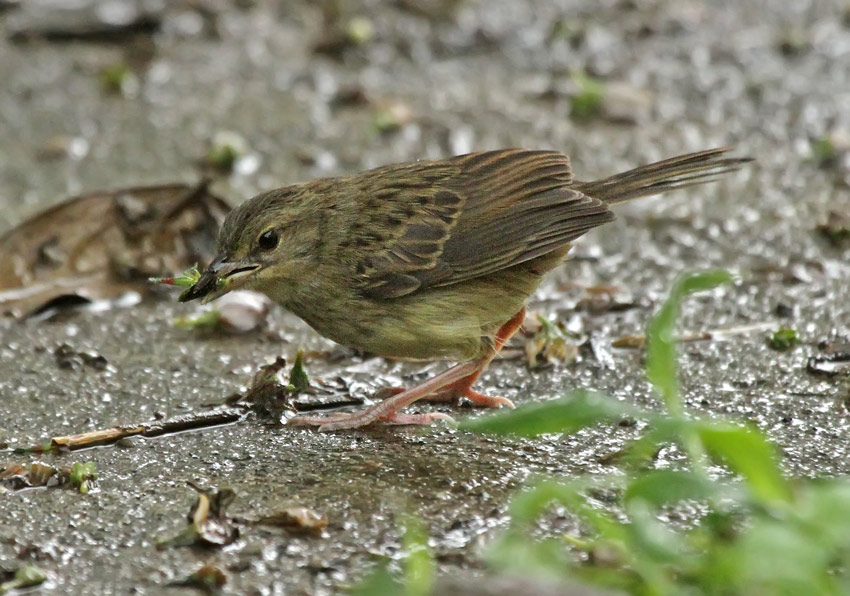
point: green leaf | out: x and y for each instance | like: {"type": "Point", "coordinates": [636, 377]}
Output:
{"type": "Point", "coordinates": [776, 557]}
{"type": "Point", "coordinates": [783, 339]}
{"type": "Point", "coordinates": [660, 334]}
{"type": "Point", "coordinates": [379, 582]}
{"type": "Point", "coordinates": [565, 415]}
{"type": "Point", "coordinates": [207, 319]}
{"type": "Point", "coordinates": [589, 96]}
{"type": "Point", "coordinates": [651, 542]}
{"type": "Point", "coordinates": [82, 476]}
{"type": "Point", "coordinates": [298, 375]}
{"type": "Point", "coordinates": [824, 150]}
{"type": "Point", "coordinates": [661, 487]}
{"type": "Point", "coordinates": [418, 564]}
{"type": "Point", "coordinates": [25, 577]}
{"type": "Point", "coordinates": [527, 505]}
{"type": "Point", "coordinates": [749, 454]}
{"type": "Point", "coordinates": [515, 552]}
{"type": "Point", "coordinates": [188, 278]}
{"type": "Point", "coordinates": [824, 507]}
{"type": "Point", "coordinates": [640, 452]}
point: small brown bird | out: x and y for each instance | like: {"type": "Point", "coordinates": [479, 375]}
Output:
{"type": "Point", "coordinates": [426, 260]}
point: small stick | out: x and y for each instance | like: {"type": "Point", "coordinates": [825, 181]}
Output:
{"type": "Point", "coordinates": [636, 342]}
{"type": "Point", "coordinates": [109, 436]}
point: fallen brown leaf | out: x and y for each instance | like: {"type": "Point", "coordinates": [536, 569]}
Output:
{"type": "Point", "coordinates": [102, 245]}
{"type": "Point", "coordinates": [299, 520]}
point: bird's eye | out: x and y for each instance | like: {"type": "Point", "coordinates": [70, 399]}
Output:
{"type": "Point", "coordinates": [268, 240]}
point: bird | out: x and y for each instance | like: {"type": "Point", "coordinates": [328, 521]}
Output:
{"type": "Point", "coordinates": [426, 260]}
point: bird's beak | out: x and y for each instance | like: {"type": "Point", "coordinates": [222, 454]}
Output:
{"type": "Point", "coordinates": [222, 276]}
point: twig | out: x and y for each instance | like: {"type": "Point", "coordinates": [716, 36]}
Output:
{"type": "Point", "coordinates": [109, 436]}
{"type": "Point", "coordinates": [636, 342]}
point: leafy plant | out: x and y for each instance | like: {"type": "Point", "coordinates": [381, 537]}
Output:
{"type": "Point", "coordinates": [761, 533]}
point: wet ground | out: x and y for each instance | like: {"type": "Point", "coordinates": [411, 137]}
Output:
{"type": "Point", "coordinates": [771, 80]}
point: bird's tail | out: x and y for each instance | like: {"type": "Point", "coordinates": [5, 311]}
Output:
{"type": "Point", "coordinates": [670, 174]}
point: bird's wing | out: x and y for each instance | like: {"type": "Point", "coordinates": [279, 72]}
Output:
{"type": "Point", "coordinates": [444, 222]}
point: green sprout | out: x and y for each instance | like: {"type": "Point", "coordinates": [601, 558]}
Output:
{"type": "Point", "coordinates": [118, 79]}
{"type": "Point", "coordinates": [209, 579]}
{"type": "Point", "coordinates": [824, 151]}
{"type": "Point", "coordinates": [225, 150]}
{"type": "Point", "coordinates": [783, 339]}
{"type": "Point", "coordinates": [391, 117]}
{"type": "Point", "coordinates": [588, 98]}
{"type": "Point", "coordinates": [762, 533]}
{"type": "Point", "coordinates": [82, 476]}
{"type": "Point", "coordinates": [298, 379]}
{"type": "Point", "coordinates": [208, 319]}
{"type": "Point", "coordinates": [835, 229]}
{"type": "Point", "coordinates": [222, 157]}
{"type": "Point", "coordinates": [418, 567]}
{"type": "Point", "coordinates": [27, 576]}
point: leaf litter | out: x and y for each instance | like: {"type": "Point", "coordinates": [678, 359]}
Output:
{"type": "Point", "coordinates": [104, 245]}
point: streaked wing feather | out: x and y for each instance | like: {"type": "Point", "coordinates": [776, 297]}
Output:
{"type": "Point", "coordinates": [488, 212]}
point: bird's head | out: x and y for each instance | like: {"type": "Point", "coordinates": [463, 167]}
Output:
{"type": "Point", "coordinates": [265, 244]}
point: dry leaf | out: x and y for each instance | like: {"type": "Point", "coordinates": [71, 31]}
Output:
{"type": "Point", "coordinates": [102, 245]}
{"type": "Point", "coordinates": [299, 520]}
{"type": "Point", "coordinates": [209, 524]}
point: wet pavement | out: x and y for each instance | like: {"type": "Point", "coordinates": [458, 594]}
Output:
{"type": "Point", "coordinates": [688, 75]}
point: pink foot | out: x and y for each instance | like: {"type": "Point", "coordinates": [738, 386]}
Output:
{"type": "Point", "coordinates": [346, 420]}
{"type": "Point", "coordinates": [388, 410]}
{"type": "Point", "coordinates": [462, 389]}
{"type": "Point", "coordinates": [399, 418]}
{"type": "Point", "coordinates": [485, 401]}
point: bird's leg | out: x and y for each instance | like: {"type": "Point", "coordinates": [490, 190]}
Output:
{"type": "Point", "coordinates": [463, 387]}
{"type": "Point", "coordinates": [388, 409]}
{"type": "Point", "coordinates": [454, 382]}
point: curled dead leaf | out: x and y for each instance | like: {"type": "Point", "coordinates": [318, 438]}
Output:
{"type": "Point", "coordinates": [209, 579]}
{"type": "Point", "coordinates": [209, 524]}
{"type": "Point", "coordinates": [16, 476]}
{"type": "Point", "coordinates": [299, 520]}
{"type": "Point", "coordinates": [103, 245]}
{"type": "Point", "coordinates": [550, 343]}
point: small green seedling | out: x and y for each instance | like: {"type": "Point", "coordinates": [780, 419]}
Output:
{"type": "Point", "coordinates": [226, 148]}
{"type": "Point", "coordinates": [298, 379]}
{"type": "Point", "coordinates": [824, 151]}
{"type": "Point", "coordinates": [82, 476]}
{"type": "Point", "coordinates": [27, 576]}
{"type": "Point", "coordinates": [761, 533]}
{"type": "Point", "coordinates": [588, 98]}
{"type": "Point", "coordinates": [784, 339]}
{"type": "Point", "coordinates": [208, 319]}
{"type": "Point", "coordinates": [118, 79]}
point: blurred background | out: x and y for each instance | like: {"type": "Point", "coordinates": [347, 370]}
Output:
{"type": "Point", "coordinates": [111, 93]}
